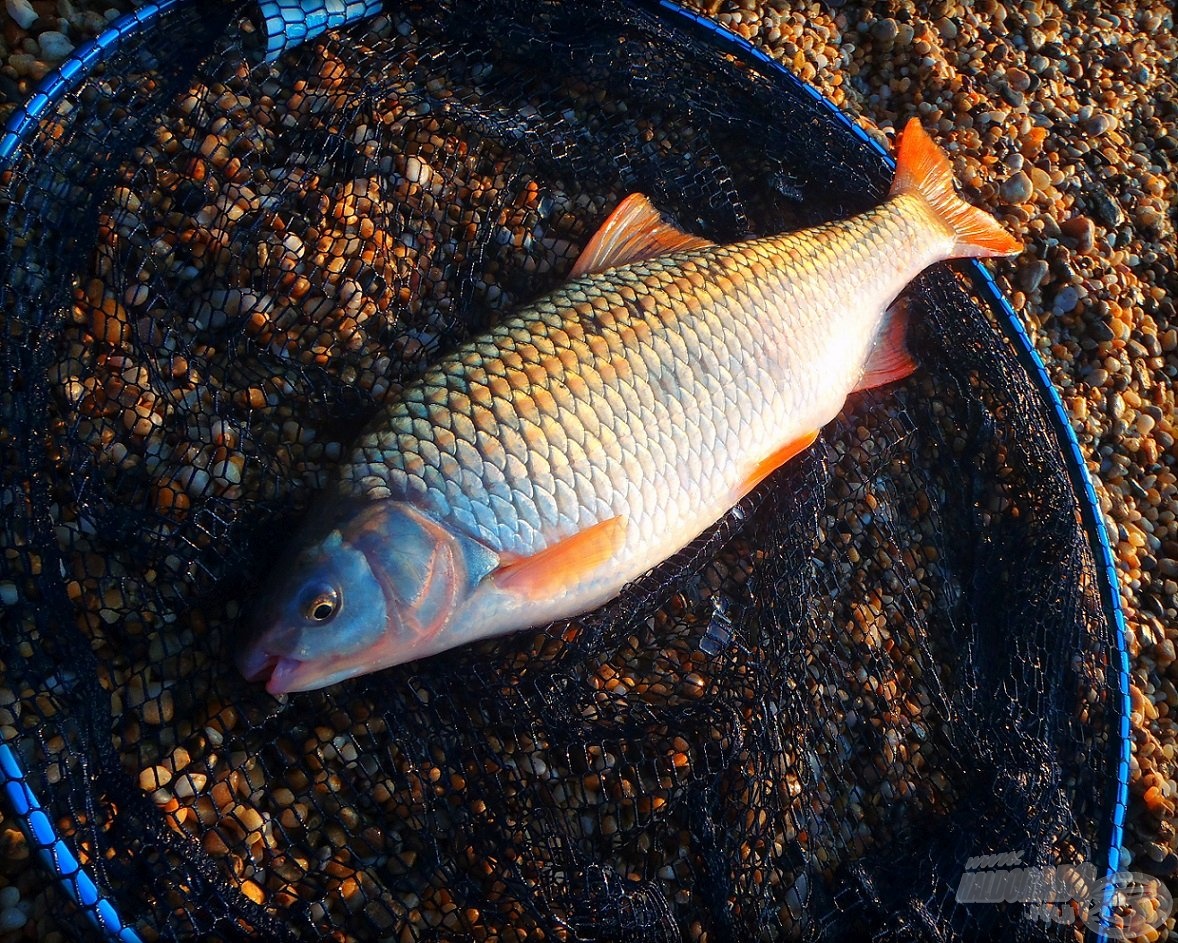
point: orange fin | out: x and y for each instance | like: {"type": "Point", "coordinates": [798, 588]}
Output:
{"type": "Point", "coordinates": [889, 359]}
{"type": "Point", "coordinates": [922, 168]}
{"type": "Point", "coordinates": [766, 467]}
{"type": "Point", "coordinates": [633, 231]}
{"type": "Point", "coordinates": [555, 567]}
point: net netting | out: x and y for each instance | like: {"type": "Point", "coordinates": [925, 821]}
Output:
{"type": "Point", "coordinates": [889, 659]}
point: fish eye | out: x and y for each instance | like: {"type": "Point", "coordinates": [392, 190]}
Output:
{"type": "Point", "coordinates": [322, 606]}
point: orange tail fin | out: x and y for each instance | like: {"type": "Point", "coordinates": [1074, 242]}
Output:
{"type": "Point", "coordinates": [922, 168]}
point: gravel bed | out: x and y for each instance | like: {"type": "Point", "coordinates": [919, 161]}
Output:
{"type": "Point", "coordinates": [1061, 121]}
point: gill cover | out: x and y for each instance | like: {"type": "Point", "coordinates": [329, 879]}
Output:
{"type": "Point", "coordinates": [424, 569]}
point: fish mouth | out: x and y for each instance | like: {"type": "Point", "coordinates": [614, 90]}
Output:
{"type": "Point", "coordinates": [278, 671]}
{"type": "Point", "coordinates": [256, 664]}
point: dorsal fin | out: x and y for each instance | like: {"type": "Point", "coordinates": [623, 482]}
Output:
{"type": "Point", "coordinates": [632, 232]}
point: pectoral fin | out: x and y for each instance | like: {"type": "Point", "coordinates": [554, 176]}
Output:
{"type": "Point", "coordinates": [563, 563]}
{"type": "Point", "coordinates": [767, 466]}
{"type": "Point", "coordinates": [633, 231]}
{"type": "Point", "coordinates": [889, 359]}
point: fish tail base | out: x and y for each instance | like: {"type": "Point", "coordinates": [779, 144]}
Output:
{"type": "Point", "coordinates": [923, 169]}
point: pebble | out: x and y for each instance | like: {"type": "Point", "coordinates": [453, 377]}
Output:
{"type": "Point", "coordinates": [54, 46]}
{"type": "Point", "coordinates": [1099, 124]}
{"type": "Point", "coordinates": [1100, 331]}
{"type": "Point", "coordinates": [12, 918]}
{"type": "Point", "coordinates": [1106, 209]}
{"type": "Point", "coordinates": [885, 31]}
{"type": "Point", "coordinates": [28, 66]}
{"type": "Point", "coordinates": [1168, 866]}
{"type": "Point", "coordinates": [1016, 188]}
{"type": "Point", "coordinates": [22, 13]}
{"type": "Point", "coordinates": [1032, 274]}
{"type": "Point", "coordinates": [942, 67]}
{"type": "Point", "coordinates": [1018, 79]}
{"type": "Point", "coordinates": [1081, 230]}
{"type": "Point", "coordinates": [1066, 300]}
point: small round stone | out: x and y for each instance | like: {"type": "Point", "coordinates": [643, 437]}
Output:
{"type": "Point", "coordinates": [1066, 300]}
{"type": "Point", "coordinates": [1018, 79]}
{"type": "Point", "coordinates": [54, 46]}
{"type": "Point", "coordinates": [1081, 230]}
{"type": "Point", "coordinates": [1098, 124]}
{"type": "Point", "coordinates": [1016, 188]}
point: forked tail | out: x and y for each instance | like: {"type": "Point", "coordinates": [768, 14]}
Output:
{"type": "Point", "coordinates": [922, 168]}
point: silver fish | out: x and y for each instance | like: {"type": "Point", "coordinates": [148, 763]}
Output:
{"type": "Point", "coordinates": [596, 431]}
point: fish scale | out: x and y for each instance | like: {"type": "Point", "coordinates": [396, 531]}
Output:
{"type": "Point", "coordinates": [605, 367]}
{"type": "Point", "coordinates": [594, 432]}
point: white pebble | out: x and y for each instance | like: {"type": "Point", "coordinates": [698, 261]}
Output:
{"type": "Point", "coordinates": [418, 171]}
{"type": "Point", "coordinates": [22, 12]}
{"type": "Point", "coordinates": [8, 596]}
{"type": "Point", "coordinates": [228, 470]}
{"type": "Point", "coordinates": [54, 45]}
{"type": "Point", "coordinates": [9, 897]}
{"type": "Point", "coordinates": [190, 784]}
{"type": "Point", "coordinates": [136, 296]}
{"type": "Point", "coordinates": [193, 480]}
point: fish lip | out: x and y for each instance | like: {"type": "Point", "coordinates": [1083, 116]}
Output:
{"type": "Point", "coordinates": [256, 664]}
{"type": "Point", "coordinates": [284, 675]}
{"type": "Point", "coordinates": [279, 672]}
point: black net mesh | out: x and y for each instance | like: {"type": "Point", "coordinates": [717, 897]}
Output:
{"type": "Point", "coordinates": [890, 658]}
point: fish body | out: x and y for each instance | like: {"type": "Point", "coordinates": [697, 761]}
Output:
{"type": "Point", "coordinates": [592, 433]}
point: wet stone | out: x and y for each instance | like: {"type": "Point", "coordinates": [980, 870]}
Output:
{"type": "Point", "coordinates": [1016, 188]}
{"type": "Point", "coordinates": [1106, 209]}
{"type": "Point", "coordinates": [1081, 230]}
{"type": "Point", "coordinates": [1032, 275]}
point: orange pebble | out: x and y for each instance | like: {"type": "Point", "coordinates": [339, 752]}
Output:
{"type": "Point", "coordinates": [1157, 803]}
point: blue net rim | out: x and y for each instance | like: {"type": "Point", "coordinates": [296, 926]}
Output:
{"type": "Point", "coordinates": [56, 855]}
{"type": "Point", "coordinates": [74, 70]}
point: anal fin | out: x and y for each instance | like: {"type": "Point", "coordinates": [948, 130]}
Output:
{"type": "Point", "coordinates": [889, 359]}
{"type": "Point", "coordinates": [563, 563]}
{"type": "Point", "coordinates": [767, 466]}
{"type": "Point", "coordinates": [632, 232]}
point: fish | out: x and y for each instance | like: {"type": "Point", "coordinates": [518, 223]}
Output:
{"type": "Point", "coordinates": [536, 469]}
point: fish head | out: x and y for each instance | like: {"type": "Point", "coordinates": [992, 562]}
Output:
{"type": "Point", "coordinates": [375, 587]}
